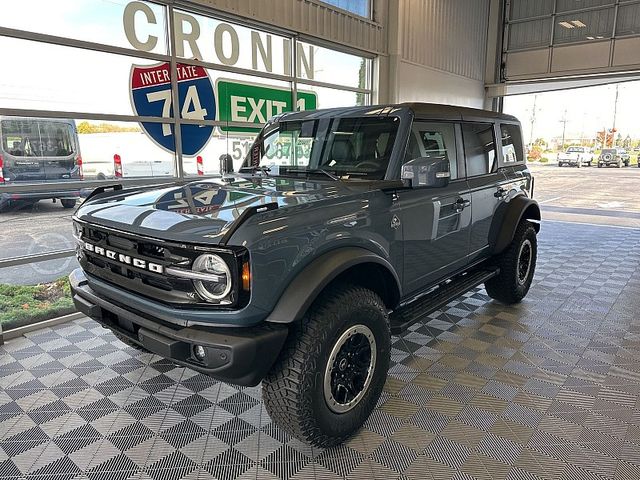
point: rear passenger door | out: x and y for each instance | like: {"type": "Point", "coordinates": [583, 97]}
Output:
{"type": "Point", "coordinates": [486, 182]}
{"type": "Point", "coordinates": [435, 221]}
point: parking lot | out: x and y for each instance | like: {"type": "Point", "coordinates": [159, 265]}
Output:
{"type": "Point", "coordinates": [607, 196]}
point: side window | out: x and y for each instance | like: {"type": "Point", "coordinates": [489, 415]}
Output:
{"type": "Point", "coordinates": [434, 140]}
{"type": "Point", "coordinates": [511, 144]}
{"type": "Point", "coordinates": [480, 148]}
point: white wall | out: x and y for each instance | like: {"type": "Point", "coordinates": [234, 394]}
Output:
{"type": "Point", "coordinates": [423, 84]}
{"type": "Point", "coordinates": [437, 52]}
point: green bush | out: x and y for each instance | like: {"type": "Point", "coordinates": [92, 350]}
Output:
{"type": "Point", "coordinates": [26, 304]}
{"type": "Point", "coordinates": [544, 160]}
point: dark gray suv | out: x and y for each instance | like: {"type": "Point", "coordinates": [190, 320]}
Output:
{"type": "Point", "coordinates": [343, 227]}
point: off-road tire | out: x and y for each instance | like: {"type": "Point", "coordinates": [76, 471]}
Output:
{"type": "Point", "coordinates": [506, 287]}
{"type": "Point", "coordinates": [293, 391]}
{"type": "Point", "coordinates": [68, 202]}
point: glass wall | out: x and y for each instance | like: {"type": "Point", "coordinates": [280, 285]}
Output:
{"type": "Point", "coordinates": [359, 7]}
{"type": "Point", "coordinates": [98, 91]}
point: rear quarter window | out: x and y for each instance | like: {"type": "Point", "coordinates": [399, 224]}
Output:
{"type": "Point", "coordinates": [512, 148]}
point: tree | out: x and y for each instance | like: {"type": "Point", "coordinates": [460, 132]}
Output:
{"type": "Point", "coordinates": [85, 127]}
{"type": "Point", "coordinates": [362, 82]}
{"type": "Point", "coordinates": [627, 142]}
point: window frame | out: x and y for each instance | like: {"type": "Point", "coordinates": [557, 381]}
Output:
{"type": "Point", "coordinates": [458, 147]}
{"type": "Point", "coordinates": [498, 152]}
{"type": "Point", "coordinates": [501, 162]}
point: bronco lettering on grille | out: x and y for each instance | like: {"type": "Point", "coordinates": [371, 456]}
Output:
{"type": "Point", "coordinates": [126, 259]}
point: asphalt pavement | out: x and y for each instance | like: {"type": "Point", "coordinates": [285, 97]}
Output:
{"type": "Point", "coordinates": [607, 196]}
{"type": "Point", "coordinates": [44, 227]}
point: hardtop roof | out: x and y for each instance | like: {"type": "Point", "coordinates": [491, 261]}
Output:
{"type": "Point", "coordinates": [421, 110]}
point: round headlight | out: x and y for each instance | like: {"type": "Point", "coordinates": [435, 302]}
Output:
{"type": "Point", "coordinates": [212, 290]}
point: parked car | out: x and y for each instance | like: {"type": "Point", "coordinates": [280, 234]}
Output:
{"type": "Point", "coordinates": [614, 156]}
{"type": "Point", "coordinates": [576, 156]}
{"type": "Point", "coordinates": [342, 227]}
{"type": "Point", "coordinates": [39, 150]}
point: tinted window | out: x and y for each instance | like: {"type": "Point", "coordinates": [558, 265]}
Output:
{"type": "Point", "coordinates": [36, 138]}
{"type": "Point", "coordinates": [480, 148]}
{"type": "Point", "coordinates": [512, 151]}
{"type": "Point", "coordinates": [434, 140]}
{"type": "Point", "coordinates": [351, 148]}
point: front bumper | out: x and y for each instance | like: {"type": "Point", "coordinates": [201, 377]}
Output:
{"type": "Point", "coordinates": [242, 356]}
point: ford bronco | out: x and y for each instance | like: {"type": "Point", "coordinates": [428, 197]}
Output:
{"type": "Point", "coordinates": [342, 227]}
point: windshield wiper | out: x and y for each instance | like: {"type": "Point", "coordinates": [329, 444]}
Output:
{"type": "Point", "coordinates": [316, 170]}
{"type": "Point", "coordinates": [253, 169]}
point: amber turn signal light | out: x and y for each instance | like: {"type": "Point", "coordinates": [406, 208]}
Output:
{"type": "Point", "coordinates": [246, 276]}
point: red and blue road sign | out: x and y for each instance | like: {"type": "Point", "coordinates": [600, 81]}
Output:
{"type": "Point", "coordinates": [151, 97]}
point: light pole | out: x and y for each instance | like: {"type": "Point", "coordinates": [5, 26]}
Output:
{"type": "Point", "coordinates": [564, 127]}
{"type": "Point", "coordinates": [533, 119]}
{"type": "Point", "coordinates": [615, 114]}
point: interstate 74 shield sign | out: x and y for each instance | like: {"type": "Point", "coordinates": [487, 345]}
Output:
{"type": "Point", "coordinates": [151, 97]}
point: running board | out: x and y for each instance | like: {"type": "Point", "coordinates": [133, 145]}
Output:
{"type": "Point", "coordinates": [405, 316]}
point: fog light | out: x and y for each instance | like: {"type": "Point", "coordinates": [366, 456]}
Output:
{"type": "Point", "coordinates": [199, 352]}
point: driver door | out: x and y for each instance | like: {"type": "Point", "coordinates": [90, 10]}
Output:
{"type": "Point", "coordinates": [435, 221]}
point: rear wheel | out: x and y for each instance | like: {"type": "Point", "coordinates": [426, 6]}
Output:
{"type": "Point", "coordinates": [68, 202]}
{"type": "Point", "coordinates": [517, 265]}
{"type": "Point", "coordinates": [331, 371]}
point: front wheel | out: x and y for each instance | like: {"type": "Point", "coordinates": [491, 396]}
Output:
{"type": "Point", "coordinates": [68, 202]}
{"type": "Point", "coordinates": [517, 265]}
{"type": "Point", "coordinates": [331, 371]}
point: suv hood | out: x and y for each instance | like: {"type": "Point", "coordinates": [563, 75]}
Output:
{"type": "Point", "coordinates": [203, 211]}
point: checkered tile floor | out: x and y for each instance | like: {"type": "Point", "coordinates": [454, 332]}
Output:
{"type": "Point", "coordinates": [546, 389]}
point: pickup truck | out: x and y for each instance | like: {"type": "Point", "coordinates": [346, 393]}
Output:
{"type": "Point", "coordinates": [576, 156]}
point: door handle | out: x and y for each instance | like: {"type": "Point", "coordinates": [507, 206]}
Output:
{"type": "Point", "coordinates": [500, 193]}
{"type": "Point", "coordinates": [461, 204]}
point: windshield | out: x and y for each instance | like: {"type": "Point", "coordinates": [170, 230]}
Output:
{"type": "Point", "coordinates": [575, 150]}
{"type": "Point", "coordinates": [346, 148]}
{"type": "Point", "coordinates": [36, 138]}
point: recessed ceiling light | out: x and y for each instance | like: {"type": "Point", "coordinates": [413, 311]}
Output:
{"type": "Point", "coordinates": [590, 38]}
{"type": "Point", "coordinates": [567, 25]}
{"type": "Point", "coordinates": [578, 23]}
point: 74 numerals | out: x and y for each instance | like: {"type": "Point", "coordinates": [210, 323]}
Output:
{"type": "Point", "coordinates": [191, 110]}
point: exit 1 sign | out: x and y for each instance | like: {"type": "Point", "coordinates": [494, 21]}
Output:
{"type": "Point", "coordinates": [252, 103]}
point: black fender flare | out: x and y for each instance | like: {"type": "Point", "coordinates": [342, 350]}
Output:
{"type": "Point", "coordinates": [506, 220]}
{"type": "Point", "coordinates": [307, 285]}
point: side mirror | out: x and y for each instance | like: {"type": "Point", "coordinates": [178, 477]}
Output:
{"type": "Point", "coordinates": [426, 172]}
{"type": "Point", "coordinates": [226, 164]}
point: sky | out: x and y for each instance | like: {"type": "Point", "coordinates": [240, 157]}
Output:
{"type": "Point", "coordinates": [587, 109]}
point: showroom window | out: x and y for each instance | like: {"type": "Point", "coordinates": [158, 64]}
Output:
{"type": "Point", "coordinates": [359, 7]}
{"type": "Point", "coordinates": [90, 92]}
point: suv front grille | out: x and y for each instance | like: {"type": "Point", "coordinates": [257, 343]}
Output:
{"type": "Point", "coordinates": [156, 286]}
